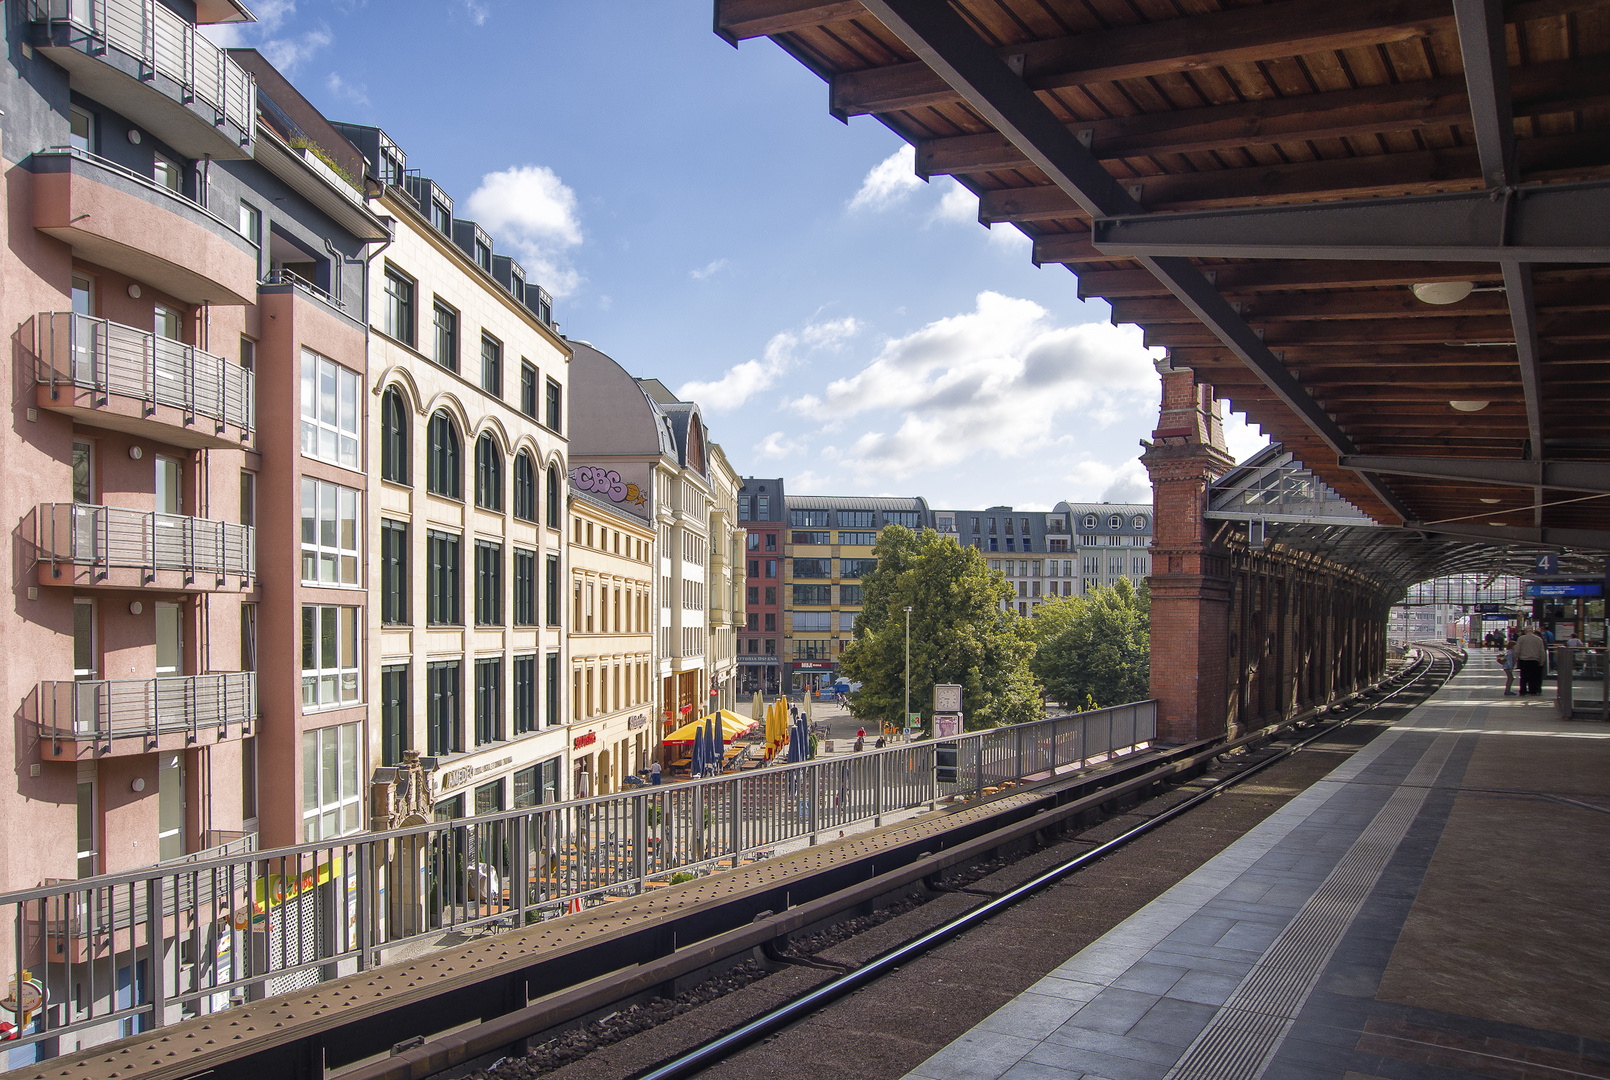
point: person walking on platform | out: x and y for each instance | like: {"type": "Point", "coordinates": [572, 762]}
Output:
{"type": "Point", "coordinates": [1530, 654]}
{"type": "Point", "coordinates": [1507, 662]}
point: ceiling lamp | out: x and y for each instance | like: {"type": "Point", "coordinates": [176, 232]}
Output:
{"type": "Point", "coordinates": [1489, 502]}
{"type": "Point", "coordinates": [1442, 292]}
{"type": "Point", "coordinates": [1470, 406]}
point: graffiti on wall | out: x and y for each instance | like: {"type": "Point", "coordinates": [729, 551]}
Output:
{"type": "Point", "coordinates": [608, 483]}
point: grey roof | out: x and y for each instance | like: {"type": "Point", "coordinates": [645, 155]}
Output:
{"type": "Point", "coordinates": [609, 414]}
{"type": "Point", "coordinates": [854, 502]}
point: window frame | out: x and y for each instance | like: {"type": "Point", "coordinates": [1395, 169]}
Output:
{"type": "Point", "coordinates": [445, 467]}
{"type": "Point", "coordinates": [399, 310]}
{"type": "Point", "coordinates": [395, 436]}
{"type": "Point", "coordinates": [444, 593]}
{"type": "Point", "coordinates": [444, 718]}
{"type": "Point", "coordinates": [394, 578]}
{"type": "Point", "coordinates": [491, 365]}
{"type": "Point", "coordinates": [523, 587]}
{"type": "Point", "coordinates": [318, 640]}
{"type": "Point", "coordinates": [345, 804]}
{"type": "Point", "coordinates": [554, 413]}
{"type": "Point", "coordinates": [488, 700]}
{"type": "Point", "coordinates": [345, 560]}
{"type": "Point", "coordinates": [488, 583]}
{"type": "Point", "coordinates": [488, 472]}
{"type": "Point", "coordinates": [318, 421]}
{"type": "Point", "coordinates": [444, 335]}
{"type": "Point", "coordinates": [525, 494]}
{"type": "Point", "coordinates": [528, 388]}
{"type": "Point", "coordinates": [523, 690]}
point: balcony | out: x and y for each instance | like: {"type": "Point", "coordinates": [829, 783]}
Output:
{"type": "Point", "coordinates": [137, 716]}
{"type": "Point", "coordinates": [158, 70]}
{"type": "Point", "coordinates": [130, 223]}
{"type": "Point", "coordinates": [114, 376]}
{"type": "Point", "coordinates": [112, 548]}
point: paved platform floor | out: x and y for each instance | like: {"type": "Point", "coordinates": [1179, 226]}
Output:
{"type": "Point", "coordinates": [1434, 908]}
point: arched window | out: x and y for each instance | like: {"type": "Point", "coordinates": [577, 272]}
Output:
{"type": "Point", "coordinates": [525, 487]}
{"type": "Point", "coordinates": [488, 473]}
{"type": "Point", "coordinates": [553, 496]}
{"type": "Point", "coordinates": [1140, 521]}
{"type": "Point", "coordinates": [1115, 522]}
{"type": "Point", "coordinates": [394, 437]}
{"type": "Point", "coordinates": [444, 454]}
{"type": "Point", "coordinates": [1090, 521]}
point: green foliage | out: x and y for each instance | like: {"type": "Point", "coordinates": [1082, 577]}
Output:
{"type": "Point", "coordinates": [300, 142]}
{"type": "Point", "coordinates": [1094, 650]}
{"type": "Point", "coordinates": [680, 876]}
{"type": "Point", "coordinates": [959, 634]}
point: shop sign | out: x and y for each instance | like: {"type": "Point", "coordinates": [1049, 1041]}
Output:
{"type": "Point", "coordinates": [635, 722]}
{"type": "Point", "coordinates": [464, 774]}
{"type": "Point", "coordinates": [586, 740]}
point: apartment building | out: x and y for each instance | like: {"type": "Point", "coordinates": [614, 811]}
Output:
{"type": "Point", "coordinates": [658, 449]}
{"type": "Point", "coordinates": [1044, 565]}
{"type": "Point", "coordinates": [761, 514]}
{"type": "Point", "coordinates": [1113, 540]}
{"type": "Point", "coordinates": [726, 612]}
{"type": "Point", "coordinates": [611, 637]}
{"type": "Point", "coordinates": [186, 288]}
{"type": "Point", "coordinates": [828, 549]}
{"type": "Point", "coordinates": [467, 384]}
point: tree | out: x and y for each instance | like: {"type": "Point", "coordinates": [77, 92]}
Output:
{"type": "Point", "coordinates": [959, 634]}
{"type": "Point", "coordinates": [1095, 650]}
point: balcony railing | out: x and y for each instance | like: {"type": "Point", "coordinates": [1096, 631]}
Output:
{"type": "Point", "coordinates": [102, 710]}
{"type": "Point", "coordinates": [108, 537]}
{"type": "Point", "coordinates": [281, 276]}
{"type": "Point", "coordinates": [166, 44]}
{"type": "Point", "coordinates": [108, 357]}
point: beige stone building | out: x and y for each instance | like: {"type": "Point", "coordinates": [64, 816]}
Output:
{"type": "Point", "coordinates": [611, 638]}
{"type": "Point", "coordinates": [726, 611]}
{"type": "Point", "coordinates": [466, 416]}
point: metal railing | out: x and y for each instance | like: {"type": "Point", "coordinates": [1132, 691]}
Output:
{"type": "Point", "coordinates": [281, 276]}
{"type": "Point", "coordinates": [125, 173]}
{"type": "Point", "coordinates": [110, 358]}
{"type": "Point", "coordinates": [101, 710]}
{"type": "Point", "coordinates": [105, 537]}
{"type": "Point", "coordinates": [166, 44]}
{"type": "Point", "coordinates": [250, 927]}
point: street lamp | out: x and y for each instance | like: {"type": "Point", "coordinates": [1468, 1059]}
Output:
{"type": "Point", "coordinates": [905, 717]}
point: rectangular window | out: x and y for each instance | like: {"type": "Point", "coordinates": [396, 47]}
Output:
{"type": "Point", "coordinates": [754, 542]}
{"type": "Point", "coordinates": [80, 130]}
{"type": "Point", "coordinates": [812, 568]}
{"type": "Point", "coordinates": [442, 732]}
{"type": "Point", "coordinates": [813, 595]}
{"type": "Point", "coordinates": [813, 621]}
{"type": "Point", "coordinates": [488, 701]}
{"type": "Point", "coordinates": [166, 172]}
{"type": "Point", "coordinates": [489, 798]}
{"type": "Point", "coordinates": [446, 320]}
{"type": "Point", "coordinates": [251, 223]}
{"type": "Point", "coordinates": [743, 509]}
{"type": "Point", "coordinates": [442, 607]}
{"type": "Point", "coordinates": [556, 411]}
{"type": "Point", "coordinates": [393, 572]}
{"type": "Point", "coordinates": [248, 492]}
{"type": "Point", "coordinates": [754, 568]}
{"type": "Point", "coordinates": [248, 353]}
{"type": "Point", "coordinates": [813, 538]}
{"type": "Point", "coordinates": [855, 568]}
{"type": "Point", "coordinates": [491, 365]}
{"type": "Point", "coordinates": [329, 411]}
{"type": "Point", "coordinates": [329, 533]}
{"type": "Point", "coordinates": [911, 519]}
{"type": "Point", "coordinates": [399, 309]}
{"type": "Point", "coordinates": [488, 583]}
{"type": "Point", "coordinates": [528, 389]}
{"type": "Point", "coordinates": [754, 594]}
{"type": "Point", "coordinates": [525, 588]}
{"type": "Point", "coordinates": [393, 713]}
{"type": "Point", "coordinates": [771, 568]}
{"type": "Point", "coordinates": [849, 594]}
{"type": "Point", "coordinates": [526, 791]}
{"type": "Point", "coordinates": [858, 539]}
{"type": "Point", "coordinates": [331, 805]}
{"type": "Point", "coordinates": [329, 656]}
{"type": "Point", "coordinates": [808, 519]}
{"type": "Point", "coordinates": [771, 622]}
{"type": "Point", "coordinates": [771, 541]}
{"type": "Point", "coordinates": [855, 519]}
{"type": "Point", "coordinates": [524, 676]}
{"type": "Point", "coordinates": [552, 605]}
{"type": "Point", "coordinates": [771, 596]}
{"type": "Point", "coordinates": [550, 687]}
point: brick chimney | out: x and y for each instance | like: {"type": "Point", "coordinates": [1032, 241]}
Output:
{"type": "Point", "coordinates": [1190, 585]}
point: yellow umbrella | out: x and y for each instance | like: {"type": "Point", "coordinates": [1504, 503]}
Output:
{"type": "Point", "coordinates": [732, 726]}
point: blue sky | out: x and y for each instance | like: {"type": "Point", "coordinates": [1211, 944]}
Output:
{"type": "Point", "coordinates": [701, 217]}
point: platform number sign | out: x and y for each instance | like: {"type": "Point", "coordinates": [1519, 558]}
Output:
{"type": "Point", "coordinates": [1546, 564]}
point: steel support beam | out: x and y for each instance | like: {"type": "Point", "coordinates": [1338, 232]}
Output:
{"type": "Point", "coordinates": [1556, 223]}
{"type": "Point", "coordinates": [944, 41]}
{"type": "Point", "coordinates": [1592, 476]}
{"type": "Point", "coordinates": [1577, 539]}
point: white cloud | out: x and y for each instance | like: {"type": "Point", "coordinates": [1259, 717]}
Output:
{"type": "Point", "coordinates": [778, 445]}
{"type": "Point", "coordinates": [714, 266]}
{"type": "Point", "coordinates": [1091, 480]}
{"type": "Point", "coordinates": [1001, 381]}
{"type": "Point", "coordinates": [890, 181]}
{"type": "Point", "coordinates": [531, 209]}
{"type": "Point", "coordinates": [1242, 438]}
{"type": "Point", "coordinates": [957, 204]}
{"type": "Point", "coordinates": [742, 381]}
{"type": "Point", "coordinates": [356, 93]}
{"type": "Point", "coordinates": [288, 51]}
{"type": "Point", "coordinates": [477, 10]}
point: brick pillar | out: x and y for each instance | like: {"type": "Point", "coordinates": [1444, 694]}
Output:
{"type": "Point", "coordinates": [1190, 584]}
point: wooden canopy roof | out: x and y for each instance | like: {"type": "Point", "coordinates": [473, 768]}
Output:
{"type": "Point", "coordinates": [1260, 185]}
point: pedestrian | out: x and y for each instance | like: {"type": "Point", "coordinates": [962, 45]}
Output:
{"type": "Point", "coordinates": [654, 774]}
{"type": "Point", "coordinates": [860, 733]}
{"type": "Point", "coordinates": [1531, 653]}
{"type": "Point", "coordinates": [860, 742]}
{"type": "Point", "coordinates": [1507, 662]}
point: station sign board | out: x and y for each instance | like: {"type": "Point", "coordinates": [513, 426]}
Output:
{"type": "Point", "coordinates": [1566, 589]}
{"type": "Point", "coordinates": [1546, 564]}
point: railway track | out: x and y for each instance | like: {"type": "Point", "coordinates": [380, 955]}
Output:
{"type": "Point", "coordinates": [628, 1004]}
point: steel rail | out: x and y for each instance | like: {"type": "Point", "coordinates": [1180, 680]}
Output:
{"type": "Point", "coordinates": [791, 1012]}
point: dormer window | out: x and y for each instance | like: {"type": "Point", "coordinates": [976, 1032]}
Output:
{"type": "Point", "coordinates": [391, 167]}
{"type": "Point", "coordinates": [483, 255]}
{"type": "Point", "coordinates": [1090, 522]}
{"type": "Point", "coordinates": [1140, 522]}
{"type": "Point", "coordinates": [1115, 522]}
{"type": "Point", "coordinates": [441, 216]}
